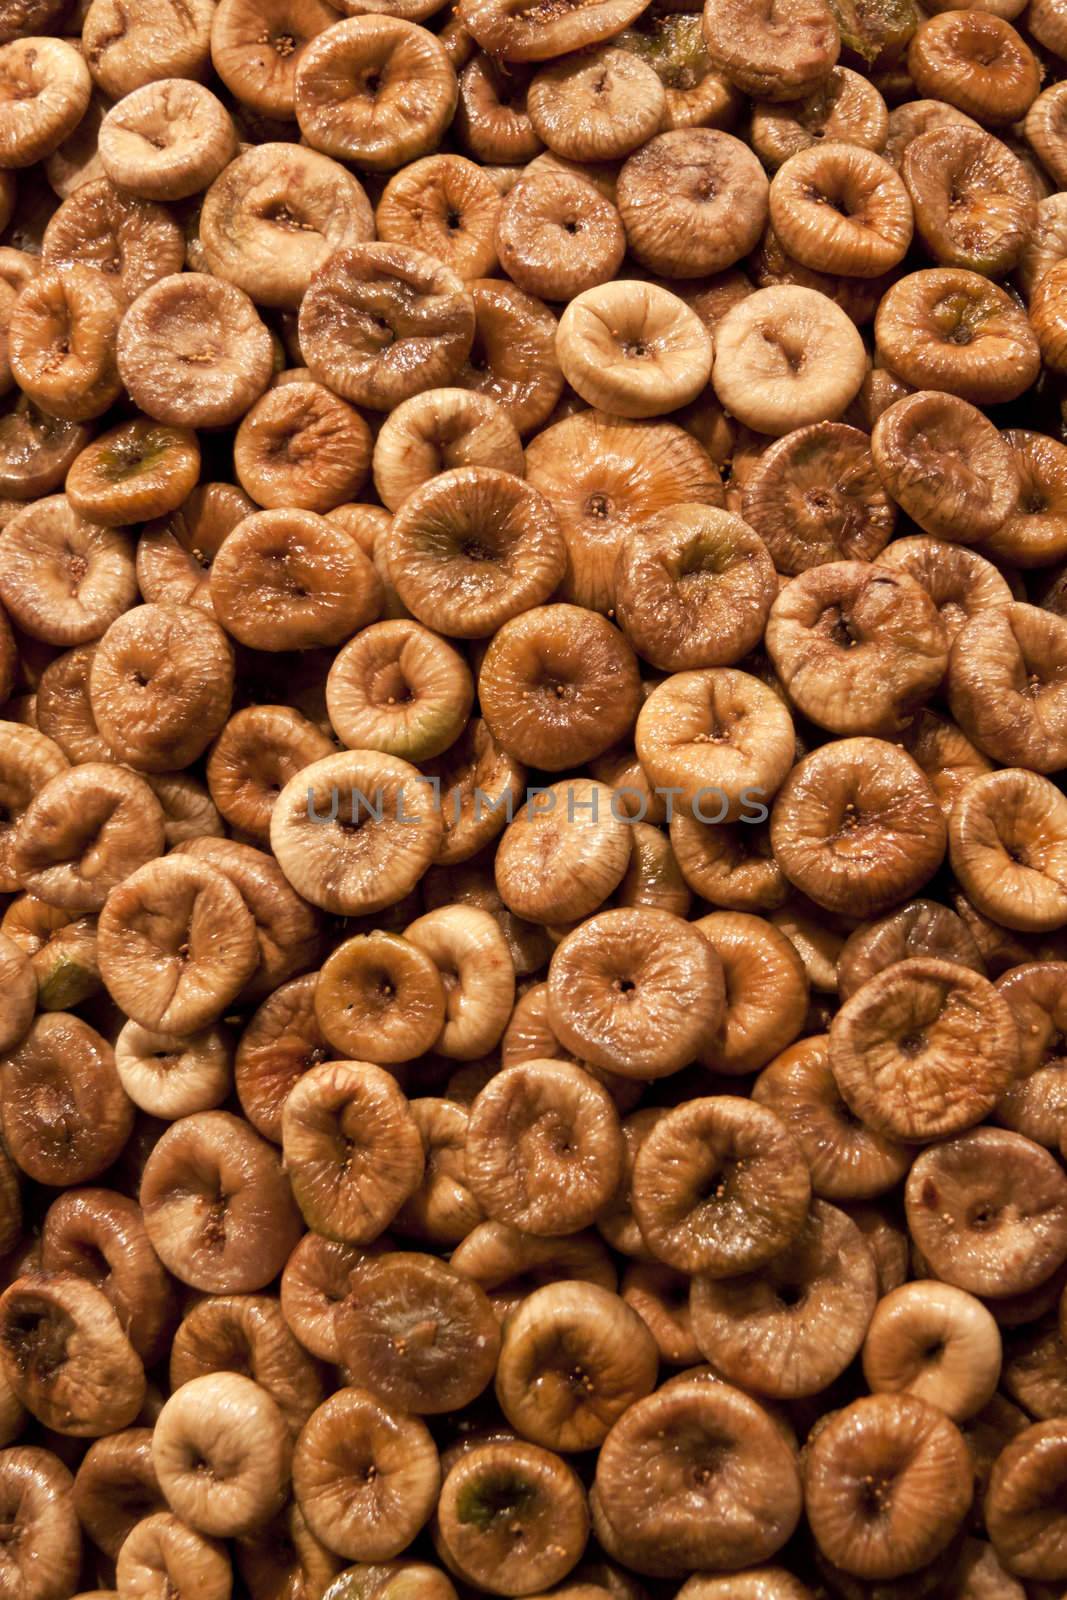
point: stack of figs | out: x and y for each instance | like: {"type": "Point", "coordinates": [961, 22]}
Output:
{"type": "Point", "coordinates": [533, 834]}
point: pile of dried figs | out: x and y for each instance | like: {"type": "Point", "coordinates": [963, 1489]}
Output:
{"type": "Point", "coordinates": [533, 836]}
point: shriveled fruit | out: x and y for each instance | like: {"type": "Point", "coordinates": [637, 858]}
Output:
{"type": "Point", "coordinates": [988, 1210]}
{"type": "Point", "coordinates": [84, 832]}
{"type": "Point", "coordinates": [99, 1236]}
{"type": "Point", "coordinates": [720, 1186]}
{"type": "Point", "coordinates": [222, 1421]}
{"type": "Point", "coordinates": [974, 207]}
{"type": "Point", "coordinates": [418, 1333]}
{"type": "Point", "coordinates": [1024, 1505]}
{"type": "Point", "coordinates": [598, 107]}
{"type": "Point", "coordinates": [887, 1483]}
{"type": "Point", "coordinates": [500, 1486]}
{"type": "Point", "coordinates": [945, 465]}
{"type": "Point", "coordinates": [28, 759]}
{"type": "Point", "coordinates": [64, 1351]}
{"type": "Point", "coordinates": [172, 1075]}
{"type": "Point", "coordinates": [287, 930]}
{"type": "Point", "coordinates": [1016, 653]}
{"type": "Point", "coordinates": [1006, 841]}
{"type": "Point", "coordinates": [442, 1210]}
{"type": "Point", "coordinates": [934, 1341]}
{"type": "Point", "coordinates": [66, 1116]}
{"type": "Point", "coordinates": [36, 1488]}
{"type": "Point", "coordinates": [65, 580]}
{"type": "Point", "coordinates": [686, 1434]}
{"type": "Point", "coordinates": [557, 235]}
{"type": "Point", "coordinates": [977, 62]}
{"type": "Point", "coordinates": [365, 1476]}
{"type": "Point", "coordinates": [381, 322]}
{"type": "Point", "coordinates": [719, 740]}
{"type": "Point", "coordinates": [694, 587]}
{"type": "Point", "coordinates": [837, 207]}
{"type": "Point", "coordinates": [787, 356]}
{"type": "Point", "coordinates": [503, 28]}
{"type": "Point", "coordinates": [257, 63]}
{"type": "Point", "coordinates": [75, 377]}
{"type": "Point", "coordinates": [849, 1161]}
{"type": "Point", "coordinates": [544, 1148]}
{"type": "Point", "coordinates": [132, 242]}
{"type": "Point", "coordinates": [253, 758]}
{"type": "Point", "coordinates": [558, 686]}
{"type": "Point", "coordinates": [177, 944]}
{"type": "Point", "coordinates": [766, 991]}
{"type": "Point", "coordinates": [564, 853]}
{"type": "Point", "coordinates": [352, 1150]}
{"type": "Point", "coordinates": [18, 988]}
{"type": "Point", "coordinates": [115, 1487]}
{"type": "Point", "coordinates": [291, 580]}
{"type": "Point", "coordinates": [472, 548]}
{"type": "Point", "coordinates": [856, 646]}
{"type": "Point", "coordinates": [161, 1549]}
{"type": "Point", "coordinates": [508, 1264]}
{"type": "Point", "coordinates": [340, 822]}
{"type": "Point", "coordinates": [217, 1205]}
{"type": "Point", "coordinates": [166, 140]}
{"type": "Point", "coordinates": [447, 206]}
{"type": "Point", "coordinates": [636, 991]}
{"type": "Point", "coordinates": [857, 826]}
{"type": "Point", "coordinates": [924, 1049]}
{"type": "Point", "coordinates": [301, 446]}
{"type": "Point", "coordinates": [755, 1583]}
{"type": "Point", "coordinates": [953, 330]}
{"type": "Point", "coordinates": [573, 1358]}
{"type": "Point", "coordinates": [471, 954]}
{"type": "Point", "coordinates": [36, 449]}
{"type": "Point", "coordinates": [605, 476]}
{"type": "Point", "coordinates": [133, 472]}
{"type": "Point", "coordinates": [920, 928]}
{"type": "Point", "coordinates": [400, 688]}
{"type": "Point", "coordinates": [960, 582]}
{"type": "Point", "coordinates": [1034, 531]}
{"type": "Point", "coordinates": [192, 352]}
{"type": "Point", "coordinates": [46, 84]}
{"type": "Point", "coordinates": [693, 201]}
{"type": "Point", "coordinates": [794, 1327]}
{"type": "Point", "coordinates": [815, 496]}
{"type": "Point", "coordinates": [438, 430]}
{"type": "Point", "coordinates": [160, 686]}
{"type": "Point", "coordinates": [633, 349]}
{"type": "Point", "coordinates": [62, 949]}
{"type": "Point", "coordinates": [513, 355]}
{"type": "Point", "coordinates": [380, 997]}
{"type": "Point", "coordinates": [314, 1282]}
{"type": "Point", "coordinates": [377, 90]}
{"type": "Point", "coordinates": [126, 48]}
{"type": "Point", "coordinates": [1034, 1103]}
{"type": "Point", "coordinates": [274, 214]}
{"type": "Point", "coordinates": [480, 783]}
{"type": "Point", "coordinates": [174, 554]}
{"type": "Point", "coordinates": [845, 106]}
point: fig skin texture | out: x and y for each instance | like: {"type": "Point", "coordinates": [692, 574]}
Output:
{"type": "Point", "coordinates": [533, 800]}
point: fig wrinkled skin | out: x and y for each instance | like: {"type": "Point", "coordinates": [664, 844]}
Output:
{"type": "Point", "coordinates": [533, 800]}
